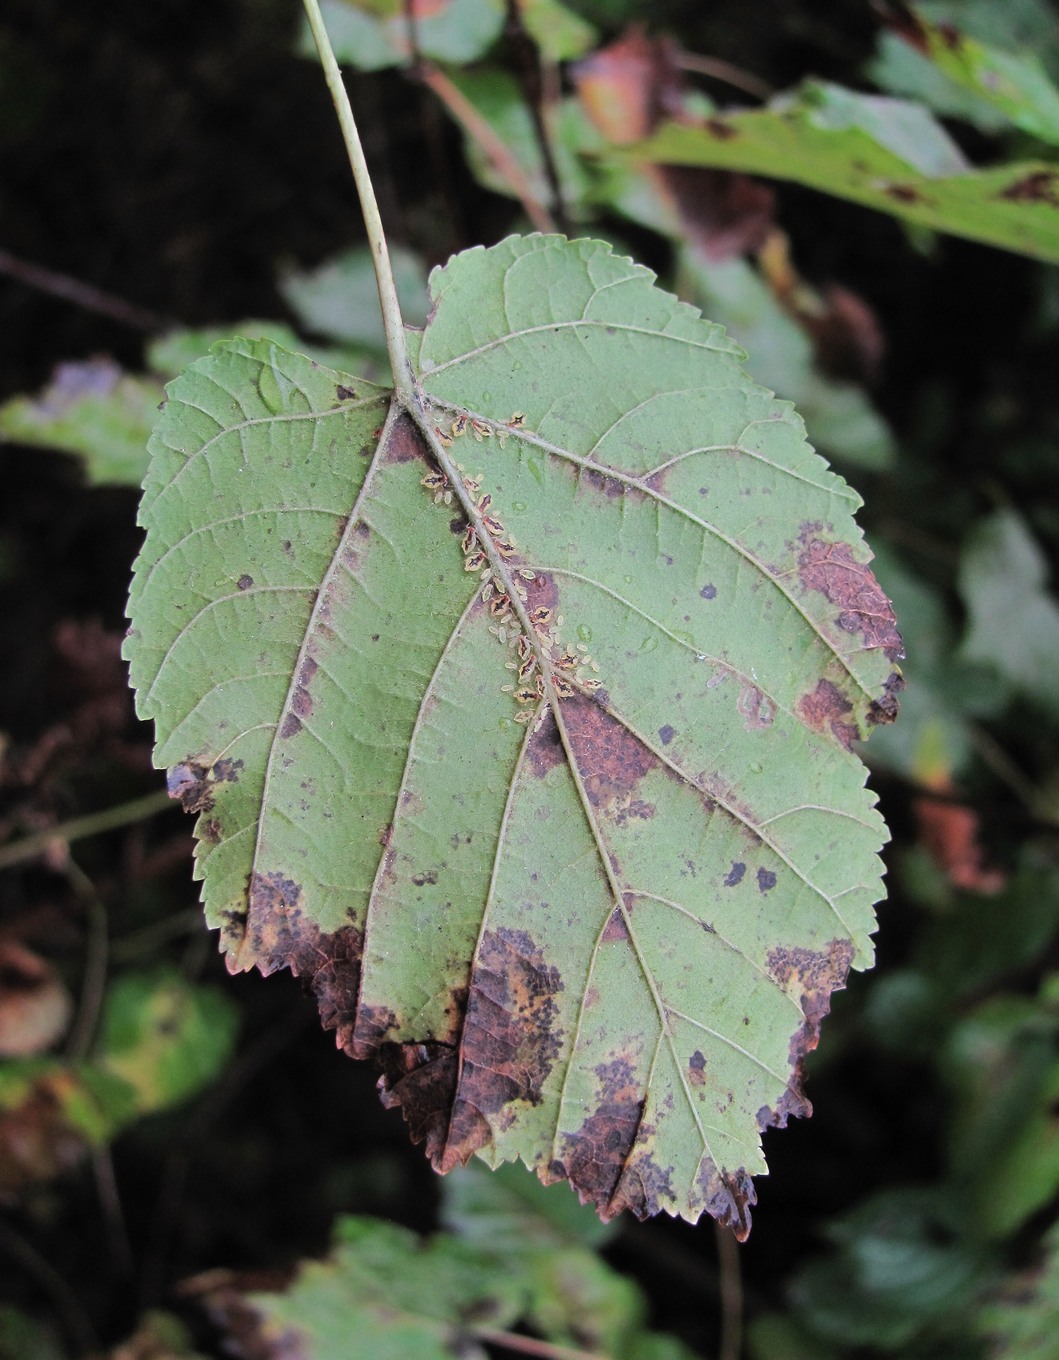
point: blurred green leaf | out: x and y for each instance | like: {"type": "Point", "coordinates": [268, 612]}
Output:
{"type": "Point", "coordinates": [24, 1338]}
{"type": "Point", "coordinates": [888, 154]}
{"type": "Point", "coordinates": [508, 1211]}
{"type": "Point", "coordinates": [901, 69]}
{"type": "Point", "coordinates": [1023, 1322]}
{"type": "Point", "coordinates": [454, 30]}
{"type": "Point", "coordinates": [339, 299]}
{"type": "Point", "coordinates": [559, 32]}
{"type": "Point", "coordinates": [164, 1036]}
{"type": "Point", "coordinates": [1012, 620]}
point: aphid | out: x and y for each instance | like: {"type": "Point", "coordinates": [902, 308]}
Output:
{"type": "Point", "coordinates": [526, 574]}
{"type": "Point", "coordinates": [523, 647]}
{"type": "Point", "coordinates": [443, 438]}
{"type": "Point", "coordinates": [484, 504]}
{"type": "Point", "coordinates": [469, 540]}
{"type": "Point", "coordinates": [527, 668]}
{"type": "Point", "coordinates": [433, 480]}
{"type": "Point", "coordinates": [526, 696]}
{"type": "Point", "coordinates": [493, 525]}
{"type": "Point", "coordinates": [499, 606]}
{"type": "Point", "coordinates": [517, 420]}
{"type": "Point", "coordinates": [510, 665]}
{"type": "Point", "coordinates": [487, 591]}
{"type": "Point", "coordinates": [507, 689]}
{"type": "Point", "coordinates": [539, 682]}
{"type": "Point", "coordinates": [524, 715]}
{"type": "Point", "coordinates": [582, 648]}
{"type": "Point", "coordinates": [541, 616]}
{"type": "Point", "coordinates": [502, 634]}
{"type": "Point", "coordinates": [591, 684]}
{"type": "Point", "coordinates": [446, 496]}
{"type": "Point", "coordinates": [564, 690]}
{"type": "Point", "coordinates": [505, 548]}
{"type": "Point", "coordinates": [480, 431]}
{"type": "Point", "coordinates": [458, 426]}
{"type": "Point", "coordinates": [473, 561]}
{"type": "Point", "coordinates": [487, 575]}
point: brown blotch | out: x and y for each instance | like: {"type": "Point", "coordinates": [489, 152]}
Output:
{"type": "Point", "coordinates": [809, 977]}
{"type": "Point", "coordinates": [723, 131]}
{"type": "Point", "coordinates": [609, 486]}
{"type": "Point", "coordinates": [541, 593]}
{"type": "Point", "coordinates": [727, 1196]}
{"type": "Point", "coordinates": [884, 710]}
{"type": "Point", "coordinates": [226, 770]}
{"type": "Point", "coordinates": [291, 726]}
{"type": "Point", "coordinates": [209, 831]}
{"type": "Point", "coordinates": [903, 193]}
{"type": "Point", "coordinates": [405, 443]}
{"type": "Point", "coordinates": [244, 582]}
{"type": "Point", "coordinates": [594, 1158]}
{"type": "Point", "coordinates": [189, 782]}
{"type": "Point", "coordinates": [278, 935]}
{"type": "Point", "coordinates": [616, 929]}
{"type": "Point", "coordinates": [1040, 187]}
{"type": "Point", "coordinates": [827, 709]}
{"type": "Point", "coordinates": [610, 759]}
{"type": "Point", "coordinates": [345, 393]}
{"type": "Point", "coordinates": [831, 569]}
{"type": "Point", "coordinates": [757, 708]}
{"type": "Point", "coordinates": [510, 1039]}
{"type": "Point", "coordinates": [697, 1069]}
{"type": "Point", "coordinates": [544, 750]}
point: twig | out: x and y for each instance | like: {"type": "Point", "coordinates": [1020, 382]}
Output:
{"type": "Point", "coordinates": [83, 295]}
{"type": "Point", "coordinates": [530, 78]}
{"type": "Point", "coordinates": [530, 1345]}
{"type": "Point", "coordinates": [80, 828]}
{"type": "Point", "coordinates": [717, 69]}
{"type": "Point", "coordinates": [730, 1344]}
{"type": "Point", "coordinates": [504, 163]}
{"type": "Point", "coordinates": [94, 981]}
{"type": "Point", "coordinates": [68, 1307]}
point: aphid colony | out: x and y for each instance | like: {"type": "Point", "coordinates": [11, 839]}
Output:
{"type": "Point", "coordinates": [563, 662]}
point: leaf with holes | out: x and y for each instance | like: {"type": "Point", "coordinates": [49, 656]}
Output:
{"type": "Point", "coordinates": [524, 731]}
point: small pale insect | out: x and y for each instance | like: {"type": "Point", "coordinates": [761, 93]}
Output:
{"type": "Point", "coordinates": [523, 647]}
{"type": "Point", "coordinates": [499, 606]}
{"type": "Point", "coordinates": [480, 430]}
{"type": "Point", "coordinates": [443, 438]}
{"type": "Point", "coordinates": [506, 548]}
{"type": "Point", "coordinates": [524, 715]}
{"type": "Point", "coordinates": [525, 695]}
{"type": "Point", "coordinates": [434, 480]}
{"type": "Point", "coordinates": [493, 525]}
{"type": "Point", "coordinates": [469, 540]}
{"type": "Point", "coordinates": [527, 668]}
{"type": "Point", "coordinates": [591, 684]}
{"type": "Point", "coordinates": [517, 420]}
{"type": "Point", "coordinates": [562, 688]}
{"type": "Point", "coordinates": [526, 574]}
{"type": "Point", "coordinates": [473, 561]}
{"type": "Point", "coordinates": [541, 616]}
{"type": "Point", "coordinates": [458, 426]}
{"type": "Point", "coordinates": [484, 504]}
{"type": "Point", "coordinates": [487, 591]}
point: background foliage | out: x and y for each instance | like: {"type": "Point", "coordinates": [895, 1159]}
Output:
{"type": "Point", "coordinates": [196, 1124]}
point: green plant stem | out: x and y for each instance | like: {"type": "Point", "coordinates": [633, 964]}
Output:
{"type": "Point", "coordinates": [79, 828]}
{"type": "Point", "coordinates": [393, 323]}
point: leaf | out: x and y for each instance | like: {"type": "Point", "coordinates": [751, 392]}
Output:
{"type": "Point", "coordinates": [1022, 1325]}
{"type": "Point", "coordinates": [450, 30]}
{"type": "Point", "coordinates": [339, 299]}
{"type": "Point", "coordinates": [594, 930]}
{"type": "Point", "coordinates": [1012, 620]}
{"type": "Point", "coordinates": [164, 1037]}
{"type": "Point", "coordinates": [1014, 84]}
{"type": "Point", "coordinates": [884, 153]}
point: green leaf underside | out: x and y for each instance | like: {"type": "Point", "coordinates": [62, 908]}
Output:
{"type": "Point", "coordinates": [602, 939]}
{"type": "Point", "coordinates": [859, 147]}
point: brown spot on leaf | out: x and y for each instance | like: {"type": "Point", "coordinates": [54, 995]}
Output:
{"type": "Point", "coordinates": [278, 935]}
{"type": "Point", "coordinates": [884, 710]}
{"type": "Point", "coordinates": [727, 1196]}
{"type": "Point", "coordinates": [345, 393]}
{"type": "Point", "coordinates": [697, 1069]}
{"type": "Point", "coordinates": [610, 759]}
{"type": "Point", "coordinates": [510, 1038]}
{"type": "Point", "coordinates": [544, 750]}
{"type": "Point", "coordinates": [831, 569]}
{"type": "Point", "coordinates": [766, 880]}
{"type": "Point", "coordinates": [594, 1158]}
{"type": "Point", "coordinates": [735, 874]}
{"type": "Point", "coordinates": [1039, 187]}
{"type": "Point", "coordinates": [809, 977]}
{"type": "Point", "coordinates": [290, 726]}
{"type": "Point", "coordinates": [718, 128]}
{"type": "Point", "coordinates": [420, 1080]}
{"type": "Point", "coordinates": [666, 734]}
{"type": "Point", "coordinates": [903, 193]}
{"type": "Point", "coordinates": [826, 709]}
{"type": "Point", "coordinates": [245, 582]}
{"type": "Point", "coordinates": [226, 770]}
{"type": "Point", "coordinates": [616, 929]}
{"type": "Point", "coordinates": [189, 781]}
{"type": "Point", "coordinates": [404, 443]}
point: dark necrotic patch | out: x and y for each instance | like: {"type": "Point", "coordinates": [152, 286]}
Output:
{"type": "Point", "coordinates": [708, 592]}
{"type": "Point", "coordinates": [735, 874]}
{"type": "Point", "coordinates": [826, 709]}
{"type": "Point", "coordinates": [610, 759]}
{"type": "Point", "coordinates": [766, 880]}
{"type": "Point", "coordinates": [727, 1196]}
{"type": "Point", "coordinates": [1038, 187]}
{"type": "Point", "coordinates": [594, 1158]}
{"type": "Point", "coordinates": [405, 444]}
{"type": "Point", "coordinates": [666, 734]}
{"type": "Point", "coordinates": [831, 569]}
{"type": "Point", "coordinates": [345, 393]}
{"type": "Point", "coordinates": [510, 1041]}
{"type": "Point", "coordinates": [808, 976]}
{"type": "Point", "coordinates": [544, 749]}
{"type": "Point", "coordinates": [245, 582]}
{"type": "Point", "coordinates": [697, 1069]}
{"type": "Point", "coordinates": [189, 782]}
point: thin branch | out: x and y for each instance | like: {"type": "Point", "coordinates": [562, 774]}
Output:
{"type": "Point", "coordinates": [94, 981]}
{"type": "Point", "coordinates": [68, 1309]}
{"type": "Point", "coordinates": [730, 1345]}
{"type": "Point", "coordinates": [532, 82]}
{"type": "Point", "coordinates": [498, 153]}
{"type": "Point", "coordinates": [530, 1345]}
{"type": "Point", "coordinates": [83, 295]}
{"type": "Point", "coordinates": [80, 828]}
{"type": "Point", "coordinates": [714, 68]}
{"type": "Point", "coordinates": [393, 322]}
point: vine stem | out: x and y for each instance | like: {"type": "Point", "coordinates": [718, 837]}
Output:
{"type": "Point", "coordinates": [393, 323]}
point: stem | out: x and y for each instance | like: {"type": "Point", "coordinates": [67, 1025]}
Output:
{"type": "Point", "coordinates": [78, 828]}
{"type": "Point", "coordinates": [393, 323]}
{"type": "Point", "coordinates": [530, 1345]}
